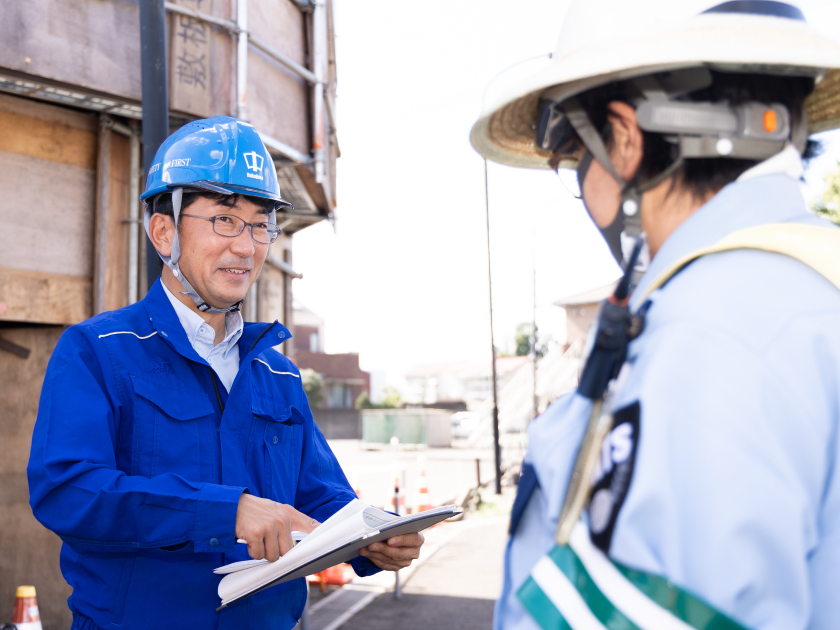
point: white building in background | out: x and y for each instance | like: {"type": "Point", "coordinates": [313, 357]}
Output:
{"type": "Point", "coordinates": [469, 382]}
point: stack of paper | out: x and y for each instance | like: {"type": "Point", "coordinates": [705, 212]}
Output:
{"type": "Point", "coordinates": [336, 540]}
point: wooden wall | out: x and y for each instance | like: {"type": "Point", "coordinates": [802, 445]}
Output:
{"type": "Point", "coordinates": [48, 178]}
{"type": "Point", "coordinates": [28, 551]}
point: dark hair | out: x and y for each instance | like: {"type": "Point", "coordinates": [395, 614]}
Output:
{"type": "Point", "coordinates": [162, 203]}
{"type": "Point", "coordinates": [702, 176]}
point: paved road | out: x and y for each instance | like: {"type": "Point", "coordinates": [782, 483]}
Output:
{"type": "Point", "coordinates": [454, 589]}
{"type": "Point", "coordinates": [449, 471]}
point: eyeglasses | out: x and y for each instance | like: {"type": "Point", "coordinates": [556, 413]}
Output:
{"type": "Point", "coordinates": [230, 225]}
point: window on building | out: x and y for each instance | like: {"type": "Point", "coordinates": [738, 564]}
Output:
{"type": "Point", "coordinates": [313, 342]}
{"type": "Point", "coordinates": [340, 396]}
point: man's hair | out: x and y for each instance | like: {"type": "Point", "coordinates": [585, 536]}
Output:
{"type": "Point", "coordinates": [701, 176]}
{"type": "Point", "coordinates": [162, 203]}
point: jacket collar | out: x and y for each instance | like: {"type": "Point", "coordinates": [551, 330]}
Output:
{"type": "Point", "coordinates": [167, 324]}
{"type": "Point", "coordinates": [258, 337]}
{"type": "Point", "coordinates": [772, 198]}
{"type": "Point", "coordinates": [255, 338]}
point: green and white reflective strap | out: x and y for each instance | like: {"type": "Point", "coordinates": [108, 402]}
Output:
{"type": "Point", "coordinates": [577, 587]}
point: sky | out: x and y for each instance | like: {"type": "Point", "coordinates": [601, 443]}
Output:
{"type": "Point", "coordinates": [402, 279]}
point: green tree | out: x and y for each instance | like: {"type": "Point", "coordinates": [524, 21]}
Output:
{"type": "Point", "coordinates": [313, 385]}
{"type": "Point", "coordinates": [523, 342]}
{"type": "Point", "coordinates": [523, 339]}
{"type": "Point", "coordinates": [829, 206]}
{"type": "Point", "coordinates": [390, 399]}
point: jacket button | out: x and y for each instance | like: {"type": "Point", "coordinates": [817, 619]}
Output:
{"type": "Point", "coordinates": [274, 439]}
{"type": "Point", "coordinates": [281, 335]}
{"type": "Point", "coordinates": [214, 542]}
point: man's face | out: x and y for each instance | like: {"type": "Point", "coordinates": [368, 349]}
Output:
{"type": "Point", "coordinates": [221, 269]}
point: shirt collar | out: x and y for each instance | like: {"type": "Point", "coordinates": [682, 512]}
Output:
{"type": "Point", "coordinates": [767, 193]}
{"type": "Point", "coordinates": [192, 322]}
{"type": "Point", "coordinates": [788, 161]}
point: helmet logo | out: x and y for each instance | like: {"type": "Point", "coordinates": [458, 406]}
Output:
{"type": "Point", "coordinates": [254, 162]}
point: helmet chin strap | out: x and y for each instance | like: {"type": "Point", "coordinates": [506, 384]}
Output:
{"type": "Point", "coordinates": [171, 261]}
{"type": "Point", "coordinates": [622, 234]}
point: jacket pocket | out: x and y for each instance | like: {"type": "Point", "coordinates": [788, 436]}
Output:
{"type": "Point", "coordinates": [282, 443]}
{"type": "Point", "coordinates": [167, 432]}
{"type": "Point", "coordinates": [122, 589]}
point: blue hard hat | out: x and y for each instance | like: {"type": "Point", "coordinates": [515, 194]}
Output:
{"type": "Point", "coordinates": [219, 154]}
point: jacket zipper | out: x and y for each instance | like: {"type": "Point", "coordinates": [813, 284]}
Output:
{"type": "Point", "coordinates": [260, 336]}
{"type": "Point", "coordinates": [216, 389]}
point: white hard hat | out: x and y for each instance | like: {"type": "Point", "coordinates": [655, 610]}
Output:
{"type": "Point", "coordinates": [609, 40]}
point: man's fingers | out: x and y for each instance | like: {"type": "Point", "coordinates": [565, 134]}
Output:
{"type": "Point", "coordinates": [399, 557]}
{"type": "Point", "coordinates": [256, 549]}
{"type": "Point", "coordinates": [385, 562]}
{"type": "Point", "coordinates": [272, 547]}
{"type": "Point", "coordinates": [407, 540]}
{"type": "Point", "coordinates": [285, 542]}
{"type": "Point", "coordinates": [301, 522]}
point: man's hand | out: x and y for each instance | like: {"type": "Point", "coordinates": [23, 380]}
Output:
{"type": "Point", "coordinates": [268, 526]}
{"type": "Point", "coordinates": [395, 553]}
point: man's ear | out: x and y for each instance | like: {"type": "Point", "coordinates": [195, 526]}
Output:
{"type": "Point", "coordinates": [162, 233]}
{"type": "Point", "coordinates": [628, 140]}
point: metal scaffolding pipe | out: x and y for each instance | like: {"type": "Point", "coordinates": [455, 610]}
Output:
{"type": "Point", "coordinates": [100, 246]}
{"type": "Point", "coordinates": [291, 64]}
{"type": "Point", "coordinates": [133, 206]}
{"type": "Point", "coordinates": [319, 29]}
{"type": "Point", "coordinates": [242, 60]}
{"type": "Point", "coordinates": [155, 97]}
{"type": "Point", "coordinates": [282, 266]}
{"type": "Point", "coordinates": [133, 216]}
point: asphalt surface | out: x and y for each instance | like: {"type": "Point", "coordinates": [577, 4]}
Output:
{"type": "Point", "coordinates": [455, 588]}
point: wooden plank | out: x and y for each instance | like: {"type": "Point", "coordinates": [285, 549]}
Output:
{"type": "Point", "coordinates": [189, 62]}
{"type": "Point", "coordinates": [116, 270]}
{"type": "Point", "coordinates": [62, 196]}
{"type": "Point", "coordinates": [44, 298]}
{"type": "Point", "coordinates": [51, 140]}
{"type": "Point", "coordinates": [93, 43]}
{"type": "Point", "coordinates": [278, 99]}
{"type": "Point", "coordinates": [270, 295]}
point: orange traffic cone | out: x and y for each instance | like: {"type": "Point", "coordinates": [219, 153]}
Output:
{"type": "Point", "coordinates": [339, 575]}
{"type": "Point", "coordinates": [424, 501]}
{"type": "Point", "coordinates": [26, 616]}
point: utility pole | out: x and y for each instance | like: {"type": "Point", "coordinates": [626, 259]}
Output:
{"type": "Point", "coordinates": [497, 449]}
{"type": "Point", "coordinates": [536, 401]}
{"type": "Point", "coordinates": [155, 98]}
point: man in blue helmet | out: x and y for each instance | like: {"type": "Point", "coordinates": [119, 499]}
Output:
{"type": "Point", "coordinates": [169, 429]}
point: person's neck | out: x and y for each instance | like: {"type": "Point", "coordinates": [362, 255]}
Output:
{"type": "Point", "coordinates": [664, 208]}
{"type": "Point", "coordinates": [215, 320]}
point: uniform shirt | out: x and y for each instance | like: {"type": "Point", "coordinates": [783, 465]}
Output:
{"type": "Point", "coordinates": [735, 490]}
{"type": "Point", "coordinates": [139, 459]}
{"type": "Point", "coordinates": [224, 357]}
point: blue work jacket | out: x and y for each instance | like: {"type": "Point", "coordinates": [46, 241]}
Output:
{"type": "Point", "coordinates": [139, 458]}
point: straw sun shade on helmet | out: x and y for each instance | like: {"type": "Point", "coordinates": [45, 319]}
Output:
{"type": "Point", "coordinates": [602, 41]}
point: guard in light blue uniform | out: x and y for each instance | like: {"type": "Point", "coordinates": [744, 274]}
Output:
{"type": "Point", "coordinates": [153, 428]}
{"type": "Point", "coordinates": [712, 497]}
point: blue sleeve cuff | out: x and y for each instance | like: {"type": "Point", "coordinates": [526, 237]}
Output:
{"type": "Point", "coordinates": [364, 567]}
{"type": "Point", "coordinates": [215, 518]}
